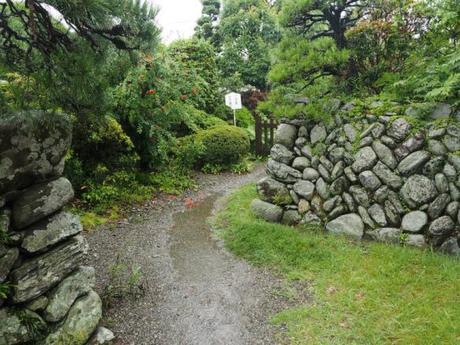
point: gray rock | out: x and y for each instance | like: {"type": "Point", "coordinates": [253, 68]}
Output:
{"type": "Point", "coordinates": [315, 162]}
{"type": "Point", "coordinates": [418, 190]}
{"type": "Point", "coordinates": [452, 143]}
{"type": "Point", "coordinates": [324, 173]}
{"type": "Point", "coordinates": [7, 262]}
{"type": "Point", "coordinates": [377, 214]}
{"type": "Point", "coordinates": [281, 154]}
{"type": "Point", "coordinates": [387, 235]}
{"type": "Point", "coordinates": [101, 336]}
{"type": "Point", "coordinates": [369, 180]}
{"type": "Point", "coordinates": [303, 132]}
{"type": "Point", "coordinates": [368, 130]}
{"type": "Point", "coordinates": [442, 110]}
{"type": "Point", "coordinates": [282, 172]}
{"type": "Point", "coordinates": [415, 241]}
{"type": "Point", "coordinates": [61, 299]}
{"type": "Point", "coordinates": [441, 226]}
{"type": "Point", "coordinates": [338, 170]}
{"type": "Point", "coordinates": [450, 246]}
{"type": "Point", "coordinates": [300, 163]}
{"type": "Point", "coordinates": [392, 214]}
{"type": "Point", "coordinates": [29, 154]}
{"type": "Point", "coordinates": [413, 163]}
{"type": "Point", "coordinates": [310, 174]}
{"type": "Point", "coordinates": [40, 273]}
{"type": "Point", "coordinates": [291, 217]}
{"type": "Point", "coordinates": [442, 185]}
{"type": "Point", "coordinates": [360, 195]}
{"type": "Point", "coordinates": [266, 211]}
{"type": "Point", "coordinates": [367, 220]}
{"type": "Point", "coordinates": [414, 221]}
{"type": "Point", "coordinates": [410, 145]}
{"type": "Point", "coordinates": [367, 141]}
{"type": "Point", "coordinates": [336, 154]}
{"type": "Point", "coordinates": [294, 197]}
{"type": "Point", "coordinates": [350, 175]}
{"type": "Point", "coordinates": [388, 142]}
{"type": "Point", "coordinates": [452, 209]}
{"type": "Point", "coordinates": [385, 154]}
{"type": "Point", "coordinates": [80, 323]}
{"type": "Point", "coordinates": [311, 218]}
{"type": "Point", "coordinates": [331, 137]}
{"type": "Point", "coordinates": [387, 176]}
{"type": "Point", "coordinates": [318, 134]}
{"type": "Point", "coordinates": [40, 201]}
{"type": "Point", "coordinates": [399, 129]}
{"type": "Point", "coordinates": [454, 159]}
{"type": "Point", "coordinates": [349, 202]}
{"type": "Point", "coordinates": [15, 326]}
{"type": "Point", "coordinates": [438, 206]}
{"type": "Point", "coordinates": [286, 135]}
{"type": "Point", "coordinates": [48, 232]}
{"type": "Point", "coordinates": [454, 130]}
{"type": "Point", "coordinates": [317, 205]}
{"type": "Point", "coordinates": [394, 199]}
{"type": "Point", "coordinates": [329, 204]}
{"type": "Point", "coordinates": [39, 304]}
{"type": "Point", "coordinates": [349, 225]}
{"type": "Point", "coordinates": [350, 132]}
{"type": "Point", "coordinates": [338, 211]}
{"type": "Point", "coordinates": [434, 166]}
{"type": "Point", "coordinates": [304, 189]}
{"type": "Point", "coordinates": [306, 151]}
{"type": "Point", "coordinates": [436, 147]}
{"type": "Point", "coordinates": [365, 159]}
{"type": "Point", "coordinates": [300, 142]}
{"type": "Point", "coordinates": [273, 191]}
{"type": "Point", "coordinates": [339, 186]}
{"type": "Point", "coordinates": [323, 189]}
{"type": "Point", "coordinates": [381, 194]}
{"type": "Point", "coordinates": [326, 163]}
{"type": "Point", "coordinates": [435, 133]}
{"type": "Point", "coordinates": [450, 172]}
{"type": "Point", "coordinates": [378, 130]}
{"type": "Point", "coordinates": [454, 192]}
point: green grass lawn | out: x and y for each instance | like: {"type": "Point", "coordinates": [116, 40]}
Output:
{"type": "Point", "coordinates": [363, 293]}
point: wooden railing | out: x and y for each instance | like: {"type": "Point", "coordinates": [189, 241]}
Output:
{"type": "Point", "coordinates": [265, 133]}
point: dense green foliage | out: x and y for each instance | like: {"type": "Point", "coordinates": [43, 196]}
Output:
{"type": "Point", "coordinates": [345, 292]}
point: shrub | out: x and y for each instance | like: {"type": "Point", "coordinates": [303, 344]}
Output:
{"type": "Point", "coordinates": [223, 144]}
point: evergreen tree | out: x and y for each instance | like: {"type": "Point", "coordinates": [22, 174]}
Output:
{"type": "Point", "coordinates": [207, 24]}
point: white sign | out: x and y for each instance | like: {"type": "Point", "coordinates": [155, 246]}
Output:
{"type": "Point", "coordinates": [233, 100]}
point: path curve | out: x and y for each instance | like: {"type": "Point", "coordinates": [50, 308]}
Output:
{"type": "Point", "coordinates": [196, 292]}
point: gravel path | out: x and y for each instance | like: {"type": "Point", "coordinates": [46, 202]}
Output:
{"type": "Point", "coordinates": [195, 292]}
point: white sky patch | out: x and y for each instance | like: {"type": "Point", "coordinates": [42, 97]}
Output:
{"type": "Point", "coordinates": [177, 18]}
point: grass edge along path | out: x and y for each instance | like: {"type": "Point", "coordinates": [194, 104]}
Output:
{"type": "Point", "coordinates": [363, 293]}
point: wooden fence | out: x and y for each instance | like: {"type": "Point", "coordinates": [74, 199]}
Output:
{"type": "Point", "coordinates": [265, 133]}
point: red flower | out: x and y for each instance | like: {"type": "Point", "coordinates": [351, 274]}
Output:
{"type": "Point", "coordinates": [151, 92]}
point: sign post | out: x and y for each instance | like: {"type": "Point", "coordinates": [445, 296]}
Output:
{"type": "Point", "coordinates": [233, 100]}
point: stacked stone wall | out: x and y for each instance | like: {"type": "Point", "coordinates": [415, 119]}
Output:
{"type": "Point", "coordinates": [380, 178]}
{"type": "Point", "coordinates": [46, 296]}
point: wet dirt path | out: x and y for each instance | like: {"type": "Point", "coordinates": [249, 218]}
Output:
{"type": "Point", "coordinates": [195, 292]}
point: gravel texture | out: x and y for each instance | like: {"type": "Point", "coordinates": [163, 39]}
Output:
{"type": "Point", "coordinates": [194, 292]}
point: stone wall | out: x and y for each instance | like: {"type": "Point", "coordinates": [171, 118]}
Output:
{"type": "Point", "coordinates": [367, 177]}
{"type": "Point", "coordinates": [46, 296]}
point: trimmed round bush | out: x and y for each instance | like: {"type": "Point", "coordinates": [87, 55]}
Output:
{"type": "Point", "coordinates": [223, 144]}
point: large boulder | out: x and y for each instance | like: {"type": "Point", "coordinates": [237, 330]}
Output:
{"type": "Point", "coordinates": [266, 211]}
{"type": "Point", "coordinates": [305, 189]}
{"type": "Point", "coordinates": [80, 323]}
{"type": "Point", "coordinates": [350, 225]}
{"type": "Point", "coordinates": [48, 232]}
{"type": "Point", "coordinates": [273, 191]}
{"type": "Point", "coordinates": [61, 299]}
{"type": "Point", "coordinates": [418, 190]}
{"type": "Point", "coordinates": [40, 201]}
{"type": "Point", "coordinates": [286, 135]}
{"type": "Point", "coordinates": [414, 221]}
{"type": "Point", "coordinates": [365, 159]}
{"type": "Point", "coordinates": [441, 226]}
{"type": "Point", "coordinates": [32, 148]}
{"type": "Point", "coordinates": [38, 274]}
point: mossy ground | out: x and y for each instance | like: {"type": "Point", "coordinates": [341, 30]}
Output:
{"type": "Point", "coordinates": [363, 293]}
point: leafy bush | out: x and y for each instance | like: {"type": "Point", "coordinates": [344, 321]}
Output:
{"type": "Point", "coordinates": [223, 144]}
